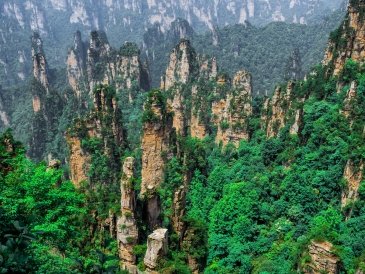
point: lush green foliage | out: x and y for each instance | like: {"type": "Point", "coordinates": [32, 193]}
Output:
{"type": "Point", "coordinates": [263, 203]}
{"type": "Point", "coordinates": [43, 227]}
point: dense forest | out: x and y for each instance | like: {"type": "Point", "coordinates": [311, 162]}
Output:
{"type": "Point", "coordinates": [199, 175]}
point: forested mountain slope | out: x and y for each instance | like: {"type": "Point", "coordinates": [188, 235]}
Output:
{"type": "Point", "coordinates": [198, 176]}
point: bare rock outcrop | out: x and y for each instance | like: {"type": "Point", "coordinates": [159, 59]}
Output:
{"type": "Point", "coordinates": [275, 110]}
{"type": "Point", "coordinates": [157, 132]}
{"type": "Point", "coordinates": [156, 248]}
{"type": "Point", "coordinates": [323, 260]}
{"type": "Point", "coordinates": [40, 87]}
{"type": "Point", "coordinates": [352, 31]}
{"type": "Point", "coordinates": [179, 208]}
{"type": "Point", "coordinates": [76, 66]}
{"type": "Point", "coordinates": [187, 243]}
{"type": "Point", "coordinates": [349, 102]}
{"type": "Point", "coordinates": [47, 106]}
{"type": "Point", "coordinates": [180, 65]}
{"type": "Point", "coordinates": [178, 72]}
{"type": "Point", "coordinates": [353, 174]}
{"type": "Point", "coordinates": [40, 67]}
{"type": "Point", "coordinates": [4, 116]}
{"type": "Point", "coordinates": [101, 64]}
{"type": "Point", "coordinates": [103, 122]}
{"type": "Point", "coordinates": [127, 230]}
{"type": "Point", "coordinates": [79, 161]}
{"type": "Point", "coordinates": [232, 113]}
{"type": "Point", "coordinates": [198, 127]}
{"type": "Point", "coordinates": [295, 128]}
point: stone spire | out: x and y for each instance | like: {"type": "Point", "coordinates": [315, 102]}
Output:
{"type": "Point", "coordinates": [40, 67]}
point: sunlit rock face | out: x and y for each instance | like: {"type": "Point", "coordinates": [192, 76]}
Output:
{"type": "Point", "coordinates": [156, 140]}
{"type": "Point", "coordinates": [104, 122]}
{"type": "Point", "coordinates": [156, 248]}
{"type": "Point", "coordinates": [352, 31]}
{"type": "Point", "coordinates": [233, 112]}
{"type": "Point", "coordinates": [323, 259]}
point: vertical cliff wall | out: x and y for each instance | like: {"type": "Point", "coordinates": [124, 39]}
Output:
{"type": "Point", "coordinates": [349, 40]}
{"type": "Point", "coordinates": [76, 66]}
{"type": "Point", "coordinates": [127, 230]}
{"type": "Point", "coordinates": [323, 259]}
{"type": "Point", "coordinates": [104, 122]}
{"type": "Point", "coordinates": [45, 102]}
{"type": "Point", "coordinates": [232, 113]}
{"type": "Point", "coordinates": [276, 110]}
{"type": "Point", "coordinates": [156, 138]}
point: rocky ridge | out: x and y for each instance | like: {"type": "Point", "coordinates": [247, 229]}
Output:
{"type": "Point", "coordinates": [348, 41]}
{"type": "Point", "coordinates": [134, 16]}
{"type": "Point", "coordinates": [98, 63]}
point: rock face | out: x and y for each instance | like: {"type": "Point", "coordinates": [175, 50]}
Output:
{"type": "Point", "coordinates": [233, 112]}
{"type": "Point", "coordinates": [178, 73]}
{"type": "Point", "coordinates": [276, 109]}
{"type": "Point", "coordinates": [96, 59]}
{"type": "Point", "coordinates": [79, 161]}
{"type": "Point", "coordinates": [349, 102]}
{"type": "Point", "coordinates": [157, 131]}
{"type": "Point", "coordinates": [156, 248]}
{"type": "Point", "coordinates": [179, 203]}
{"type": "Point", "coordinates": [198, 98]}
{"type": "Point", "coordinates": [40, 67]}
{"type": "Point", "coordinates": [352, 31]}
{"type": "Point", "coordinates": [295, 128]}
{"type": "Point", "coordinates": [180, 65]}
{"type": "Point", "coordinates": [189, 238]}
{"type": "Point", "coordinates": [46, 105]}
{"type": "Point", "coordinates": [101, 64]}
{"type": "Point", "coordinates": [76, 65]}
{"type": "Point", "coordinates": [208, 71]}
{"type": "Point", "coordinates": [322, 259]}
{"type": "Point", "coordinates": [294, 67]}
{"type": "Point", "coordinates": [4, 117]}
{"type": "Point", "coordinates": [127, 231]}
{"type": "Point", "coordinates": [353, 175]}
{"type": "Point", "coordinates": [40, 74]}
{"type": "Point", "coordinates": [184, 79]}
{"type": "Point", "coordinates": [107, 115]}
{"type": "Point", "coordinates": [103, 122]}
{"type": "Point", "coordinates": [128, 19]}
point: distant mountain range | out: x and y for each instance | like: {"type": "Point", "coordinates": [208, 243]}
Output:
{"type": "Point", "coordinates": [57, 20]}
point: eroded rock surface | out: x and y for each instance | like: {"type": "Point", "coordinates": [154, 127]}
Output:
{"type": "Point", "coordinates": [127, 230]}
{"type": "Point", "coordinates": [323, 259]}
{"type": "Point", "coordinates": [156, 248]}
